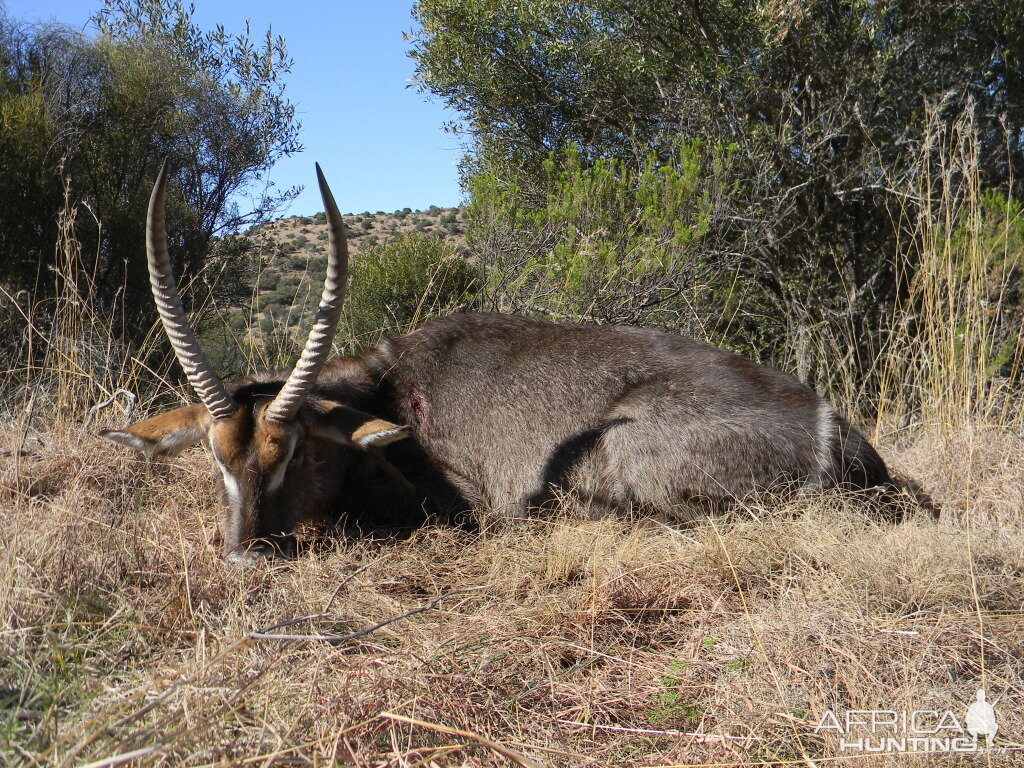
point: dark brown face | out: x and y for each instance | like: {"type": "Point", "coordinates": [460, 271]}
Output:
{"type": "Point", "coordinates": [273, 475]}
{"type": "Point", "coordinates": [260, 464]}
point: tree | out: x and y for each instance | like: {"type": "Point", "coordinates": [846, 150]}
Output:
{"type": "Point", "coordinates": [822, 105]}
{"type": "Point", "coordinates": [103, 112]}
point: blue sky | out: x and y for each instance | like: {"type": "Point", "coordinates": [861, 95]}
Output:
{"type": "Point", "coordinates": [381, 144]}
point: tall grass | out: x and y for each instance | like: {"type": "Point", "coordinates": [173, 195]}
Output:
{"type": "Point", "coordinates": [956, 346]}
{"type": "Point", "coordinates": [65, 357]}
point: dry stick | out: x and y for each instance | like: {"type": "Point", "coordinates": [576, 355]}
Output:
{"type": "Point", "coordinates": [700, 738]}
{"type": "Point", "coordinates": [263, 634]}
{"type": "Point", "coordinates": [327, 607]}
{"type": "Point", "coordinates": [123, 758]}
{"type": "Point", "coordinates": [129, 396]}
{"type": "Point", "coordinates": [501, 749]}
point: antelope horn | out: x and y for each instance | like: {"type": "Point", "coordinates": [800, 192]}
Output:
{"type": "Point", "coordinates": [168, 303]}
{"type": "Point", "coordinates": [318, 345]}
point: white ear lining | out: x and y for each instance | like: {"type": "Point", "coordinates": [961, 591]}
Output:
{"type": "Point", "coordinates": [375, 439]}
{"type": "Point", "coordinates": [170, 444]}
{"type": "Point", "coordinates": [128, 440]}
{"type": "Point", "coordinates": [382, 438]}
{"type": "Point", "coordinates": [177, 440]}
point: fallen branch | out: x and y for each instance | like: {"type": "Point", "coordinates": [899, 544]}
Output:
{"type": "Point", "coordinates": [494, 746]}
{"type": "Point", "coordinates": [265, 634]}
{"type": "Point", "coordinates": [118, 759]}
{"type": "Point", "coordinates": [327, 607]}
{"type": "Point", "coordinates": [703, 738]}
{"type": "Point", "coordinates": [129, 396]}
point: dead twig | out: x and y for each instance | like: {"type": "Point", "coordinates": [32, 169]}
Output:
{"type": "Point", "coordinates": [265, 635]}
{"type": "Point", "coordinates": [327, 607]}
{"type": "Point", "coordinates": [494, 746]}
{"type": "Point", "coordinates": [700, 738]}
{"type": "Point", "coordinates": [129, 396]}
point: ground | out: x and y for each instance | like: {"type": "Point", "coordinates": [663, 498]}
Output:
{"type": "Point", "coordinates": [124, 638]}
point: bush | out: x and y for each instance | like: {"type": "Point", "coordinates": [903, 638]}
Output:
{"type": "Point", "coordinates": [604, 241]}
{"type": "Point", "coordinates": [396, 285]}
{"type": "Point", "coordinates": [268, 280]}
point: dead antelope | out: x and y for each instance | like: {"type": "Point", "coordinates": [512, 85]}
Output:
{"type": "Point", "coordinates": [488, 412]}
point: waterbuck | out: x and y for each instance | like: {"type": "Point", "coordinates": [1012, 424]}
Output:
{"type": "Point", "coordinates": [488, 412]}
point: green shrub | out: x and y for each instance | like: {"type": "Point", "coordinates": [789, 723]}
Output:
{"type": "Point", "coordinates": [268, 280]}
{"type": "Point", "coordinates": [395, 285]}
{"type": "Point", "coordinates": [606, 240]}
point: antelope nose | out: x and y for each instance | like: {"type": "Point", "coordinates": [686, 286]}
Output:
{"type": "Point", "coordinates": [280, 547]}
{"type": "Point", "coordinates": [248, 557]}
{"type": "Point", "coordinates": [254, 554]}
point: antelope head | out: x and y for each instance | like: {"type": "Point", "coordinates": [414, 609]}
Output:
{"type": "Point", "coordinates": [278, 449]}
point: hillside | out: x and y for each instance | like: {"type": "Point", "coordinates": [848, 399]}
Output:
{"type": "Point", "coordinates": [306, 236]}
{"type": "Point", "coordinates": [290, 256]}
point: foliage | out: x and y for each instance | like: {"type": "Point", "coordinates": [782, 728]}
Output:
{"type": "Point", "coordinates": [825, 107]}
{"type": "Point", "coordinates": [406, 279]}
{"type": "Point", "coordinates": [103, 112]}
{"type": "Point", "coordinates": [605, 241]}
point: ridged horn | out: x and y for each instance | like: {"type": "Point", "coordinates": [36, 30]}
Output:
{"type": "Point", "coordinates": [318, 345]}
{"type": "Point", "coordinates": [168, 303]}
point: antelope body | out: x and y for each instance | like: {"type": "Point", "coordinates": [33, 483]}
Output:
{"type": "Point", "coordinates": [491, 412]}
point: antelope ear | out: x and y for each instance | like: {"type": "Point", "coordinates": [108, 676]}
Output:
{"type": "Point", "coordinates": [348, 426]}
{"type": "Point", "coordinates": [167, 434]}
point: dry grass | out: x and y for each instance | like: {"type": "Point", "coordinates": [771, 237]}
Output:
{"type": "Point", "coordinates": [121, 631]}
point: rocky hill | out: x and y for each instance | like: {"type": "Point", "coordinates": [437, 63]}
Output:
{"type": "Point", "coordinates": [306, 236]}
{"type": "Point", "coordinates": [291, 253]}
